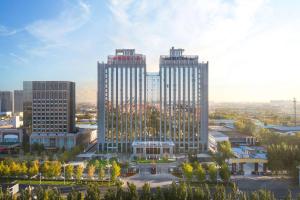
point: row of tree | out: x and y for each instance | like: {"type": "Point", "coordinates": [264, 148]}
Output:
{"type": "Point", "coordinates": [180, 191]}
{"type": "Point", "coordinates": [51, 169]}
{"type": "Point", "coordinates": [283, 157]}
{"type": "Point", "coordinates": [196, 172]}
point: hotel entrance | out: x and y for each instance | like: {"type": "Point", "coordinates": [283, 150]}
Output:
{"type": "Point", "coordinates": [153, 149]}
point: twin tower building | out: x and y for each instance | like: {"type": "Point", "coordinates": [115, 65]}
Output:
{"type": "Point", "coordinates": [152, 113]}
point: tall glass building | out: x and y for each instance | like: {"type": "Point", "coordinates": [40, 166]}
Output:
{"type": "Point", "coordinates": [184, 101]}
{"type": "Point", "coordinates": [121, 100]}
{"type": "Point", "coordinates": [168, 108]}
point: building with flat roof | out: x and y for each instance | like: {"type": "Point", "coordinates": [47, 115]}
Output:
{"type": "Point", "coordinates": [168, 106]}
{"type": "Point", "coordinates": [6, 101]}
{"type": "Point", "coordinates": [18, 101]}
{"type": "Point", "coordinates": [214, 138]}
{"type": "Point", "coordinates": [49, 112]}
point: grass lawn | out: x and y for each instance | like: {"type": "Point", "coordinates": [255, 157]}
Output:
{"type": "Point", "coordinates": [54, 182]}
{"type": "Point", "coordinates": [61, 182]}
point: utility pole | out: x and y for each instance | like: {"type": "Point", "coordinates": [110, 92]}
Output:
{"type": "Point", "coordinates": [295, 111]}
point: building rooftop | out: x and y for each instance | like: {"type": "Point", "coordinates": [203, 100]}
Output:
{"type": "Point", "coordinates": [217, 134]}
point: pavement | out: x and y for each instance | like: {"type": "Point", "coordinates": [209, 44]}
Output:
{"type": "Point", "coordinates": [162, 178]}
{"type": "Point", "coordinates": [155, 180]}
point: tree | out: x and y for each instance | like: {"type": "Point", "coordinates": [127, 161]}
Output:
{"type": "Point", "coordinates": [45, 169]}
{"type": "Point", "coordinates": [116, 171]}
{"type": "Point", "coordinates": [212, 171]}
{"type": "Point", "coordinates": [219, 193]}
{"type": "Point", "coordinates": [23, 168]}
{"type": "Point", "coordinates": [224, 172]}
{"type": "Point", "coordinates": [101, 174]}
{"type": "Point", "coordinates": [78, 172]}
{"type": "Point", "coordinates": [93, 192]}
{"type": "Point", "coordinates": [146, 192]}
{"type": "Point", "coordinates": [200, 173]}
{"type": "Point", "coordinates": [69, 171]}
{"type": "Point", "coordinates": [187, 171]}
{"type": "Point", "coordinates": [34, 168]}
{"type": "Point", "coordinates": [133, 195]}
{"type": "Point", "coordinates": [91, 171]}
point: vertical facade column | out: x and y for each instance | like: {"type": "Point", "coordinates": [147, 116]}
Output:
{"type": "Point", "coordinates": [126, 109]}
{"type": "Point", "coordinates": [117, 110]}
{"type": "Point", "coordinates": [101, 104]}
{"type": "Point", "coordinates": [204, 105]}
{"type": "Point", "coordinates": [188, 107]}
{"type": "Point", "coordinates": [122, 109]}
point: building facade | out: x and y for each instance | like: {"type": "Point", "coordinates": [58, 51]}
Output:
{"type": "Point", "coordinates": [49, 112]}
{"type": "Point", "coordinates": [184, 101]}
{"type": "Point", "coordinates": [121, 100]}
{"type": "Point", "coordinates": [18, 101]}
{"type": "Point", "coordinates": [169, 106]}
{"type": "Point", "coordinates": [6, 101]}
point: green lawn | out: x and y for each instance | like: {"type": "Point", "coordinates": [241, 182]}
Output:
{"type": "Point", "coordinates": [37, 182]}
{"type": "Point", "coordinates": [61, 182]}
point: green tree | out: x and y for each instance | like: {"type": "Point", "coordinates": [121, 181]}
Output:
{"type": "Point", "coordinates": [69, 171]}
{"type": "Point", "coordinates": [78, 172]}
{"type": "Point", "coordinates": [93, 192]}
{"type": "Point", "coordinates": [132, 192]}
{"type": "Point", "coordinates": [200, 173]}
{"type": "Point", "coordinates": [219, 193]}
{"type": "Point", "coordinates": [146, 192]}
{"type": "Point", "coordinates": [224, 172]}
{"type": "Point", "coordinates": [187, 169]}
{"type": "Point", "coordinates": [101, 173]}
{"type": "Point", "coordinates": [116, 171]}
{"type": "Point", "coordinates": [212, 171]}
{"type": "Point", "coordinates": [34, 168]}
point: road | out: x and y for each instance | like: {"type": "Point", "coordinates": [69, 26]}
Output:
{"type": "Point", "coordinates": [162, 178]}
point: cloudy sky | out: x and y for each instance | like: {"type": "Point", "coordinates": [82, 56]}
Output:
{"type": "Point", "coordinates": [253, 46]}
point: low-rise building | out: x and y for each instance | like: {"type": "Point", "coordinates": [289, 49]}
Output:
{"type": "Point", "coordinates": [215, 137]}
{"type": "Point", "coordinates": [54, 140]}
{"type": "Point", "coordinates": [153, 149]}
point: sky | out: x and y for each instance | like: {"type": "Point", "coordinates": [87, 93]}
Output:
{"type": "Point", "coordinates": [253, 46]}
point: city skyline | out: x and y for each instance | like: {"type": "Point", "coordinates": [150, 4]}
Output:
{"type": "Point", "coordinates": [241, 39]}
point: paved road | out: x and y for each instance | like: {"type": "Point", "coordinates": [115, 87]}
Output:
{"type": "Point", "coordinates": [157, 180]}
{"type": "Point", "coordinates": [162, 178]}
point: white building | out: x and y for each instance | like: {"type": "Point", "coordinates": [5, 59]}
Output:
{"type": "Point", "coordinates": [214, 138]}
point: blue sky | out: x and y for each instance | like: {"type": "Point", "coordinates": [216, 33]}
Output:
{"type": "Point", "coordinates": [252, 46]}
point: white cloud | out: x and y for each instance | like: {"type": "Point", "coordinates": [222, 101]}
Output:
{"type": "Point", "coordinates": [4, 31]}
{"type": "Point", "coordinates": [19, 58]}
{"type": "Point", "coordinates": [243, 40]}
{"type": "Point", "coordinates": [54, 30]}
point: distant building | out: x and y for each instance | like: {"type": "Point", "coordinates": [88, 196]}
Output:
{"type": "Point", "coordinates": [18, 101]}
{"type": "Point", "coordinates": [214, 138]}
{"type": "Point", "coordinates": [6, 101]}
{"type": "Point", "coordinates": [49, 113]}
